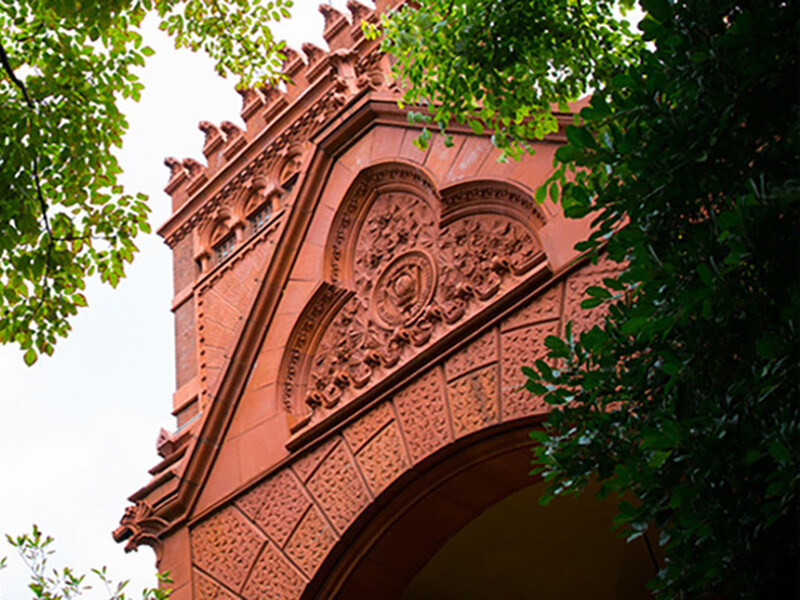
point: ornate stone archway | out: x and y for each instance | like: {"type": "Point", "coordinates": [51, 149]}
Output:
{"type": "Point", "coordinates": [273, 539]}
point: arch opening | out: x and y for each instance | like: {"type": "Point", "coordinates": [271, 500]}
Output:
{"type": "Point", "coordinates": [467, 524]}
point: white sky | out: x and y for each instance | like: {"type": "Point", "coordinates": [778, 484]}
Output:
{"type": "Point", "coordinates": [78, 430]}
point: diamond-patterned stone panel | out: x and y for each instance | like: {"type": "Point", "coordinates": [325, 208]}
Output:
{"type": "Point", "coordinates": [383, 459]}
{"type": "Point", "coordinates": [208, 589]}
{"type": "Point", "coordinates": [473, 400]}
{"type": "Point", "coordinates": [584, 319]}
{"type": "Point", "coordinates": [366, 426]}
{"type": "Point", "coordinates": [273, 578]}
{"type": "Point", "coordinates": [276, 505]}
{"type": "Point", "coordinates": [544, 307]}
{"type": "Point", "coordinates": [521, 347]}
{"type": "Point", "coordinates": [423, 416]}
{"type": "Point", "coordinates": [338, 488]}
{"type": "Point", "coordinates": [305, 465]}
{"type": "Point", "coordinates": [225, 546]}
{"type": "Point", "coordinates": [310, 542]}
{"type": "Point", "coordinates": [480, 352]}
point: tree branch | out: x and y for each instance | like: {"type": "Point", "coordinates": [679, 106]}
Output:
{"type": "Point", "coordinates": [36, 179]}
{"type": "Point", "coordinates": [15, 80]}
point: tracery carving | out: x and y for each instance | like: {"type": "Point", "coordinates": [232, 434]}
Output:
{"type": "Point", "coordinates": [295, 372]}
{"type": "Point", "coordinates": [397, 197]}
{"type": "Point", "coordinates": [479, 252]}
{"type": "Point", "coordinates": [410, 280]}
{"type": "Point", "coordinates": [404, 289]}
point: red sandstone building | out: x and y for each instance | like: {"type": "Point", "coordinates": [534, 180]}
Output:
{"type": "Point", "coordinates": [351, 315]}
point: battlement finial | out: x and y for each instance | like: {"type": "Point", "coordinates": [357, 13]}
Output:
{"type": "Point", "coordinates": [235, 138]}
{"type": "Point", "coordinates": [249, 95]}
{"type": "Point", "coordinates": [211, 131]}
{"type": "Point", "coordinates": [270, 93]}
{"type": "Point", "coordinates": [330, 14]}
{"type": "Point", "coordinates": [230, 129]}
{"type": "Point", "coordinates": [335, 26]}
{"type": "Point", "coordinates": [192, 167]}
{"type": "Point", "coordinates": [293, 62]}
{"type": "Point", "coordinates": [207, 127]}
{"type": "Point", "coordinates": [313, 52]}
{"type": "Point", "coordinates": [174, 166]}
{"type": "Point", "coordinates": [359, 11]}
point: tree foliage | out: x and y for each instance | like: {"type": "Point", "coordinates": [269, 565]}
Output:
{"type": "Point", "coordinates": [64, 66]}
{"type": "Point", "coordinates": [503, 65]}
{"type": "Point", "coordinates": [686, 160]}
{"type": "Point", "coordinates": [48, 583]}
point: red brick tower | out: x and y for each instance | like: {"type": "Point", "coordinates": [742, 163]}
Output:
{"type": "Point", "coordinates": [351, 315]}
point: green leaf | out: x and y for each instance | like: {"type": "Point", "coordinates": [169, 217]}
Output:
{"type": "Point", "coordinates": [476, 126]}
{"type": "Point", "coordinates": [658, 458]}
{"type": "Point", "coordinates": [541, 194]}
{"type": "Point", "coordinates": [598, 292]}
{"type": "Point", "coordinates": [558, 347]}
{"type": "Point", "coordinates": [705, 273]}
{"type": "Point", "coordinates": [30, 356]}
{"type": "Point", "coordinates": [660, 10]}
{"type": "Point", "coordinates": [579, 137]}
{"type": "Point", "coordinates": [780, 452]}
{"type": "Point", "coordinates": [591, 303]}
{"type": "Point", "coordinates": [534, 387]}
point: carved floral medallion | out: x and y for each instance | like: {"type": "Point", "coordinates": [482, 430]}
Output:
{"type": "Point", "coordinates": [410, 279]}
{"type": "Point", "coordinates": [404, 289]}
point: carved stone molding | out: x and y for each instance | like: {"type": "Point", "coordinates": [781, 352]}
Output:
{"type": "Point", "coordinates": [211, 343]}
{"type": "Point", "coordinates": [295, 364]}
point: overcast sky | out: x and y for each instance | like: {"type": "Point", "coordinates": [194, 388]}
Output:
{"type": "Point", "coordinates": [78, 430]}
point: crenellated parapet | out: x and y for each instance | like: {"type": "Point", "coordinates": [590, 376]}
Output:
{"type": "Point", "coordinates": [320, 83]}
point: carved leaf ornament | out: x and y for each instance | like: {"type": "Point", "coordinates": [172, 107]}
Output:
{"type": "Point", "coordinates": [405, 267]}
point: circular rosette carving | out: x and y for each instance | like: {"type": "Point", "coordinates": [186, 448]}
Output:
{"type": "Point", "coordinates": [404, 289]}
{"type": "Point", "coordinates": [396, 223]}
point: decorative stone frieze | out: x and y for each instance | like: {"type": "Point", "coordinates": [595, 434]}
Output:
{"type": "Point", "coordinates": [403, 277]}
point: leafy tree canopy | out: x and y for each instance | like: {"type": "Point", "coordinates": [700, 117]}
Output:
{"type": "Point", "coordinates": [686, 160]}
{"type": "Point", "coordinates": [64, 65]}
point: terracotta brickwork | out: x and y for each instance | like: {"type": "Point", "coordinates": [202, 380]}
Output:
{"type": "Point", "coordinates": [349, 310]}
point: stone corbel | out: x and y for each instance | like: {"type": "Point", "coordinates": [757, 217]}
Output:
{"type": "Point", "coordinates": [139, 526]}
{"type": "Point", "coordinates": [239, 229]}
{"type": "Point", "coordinates": [344, 64]}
